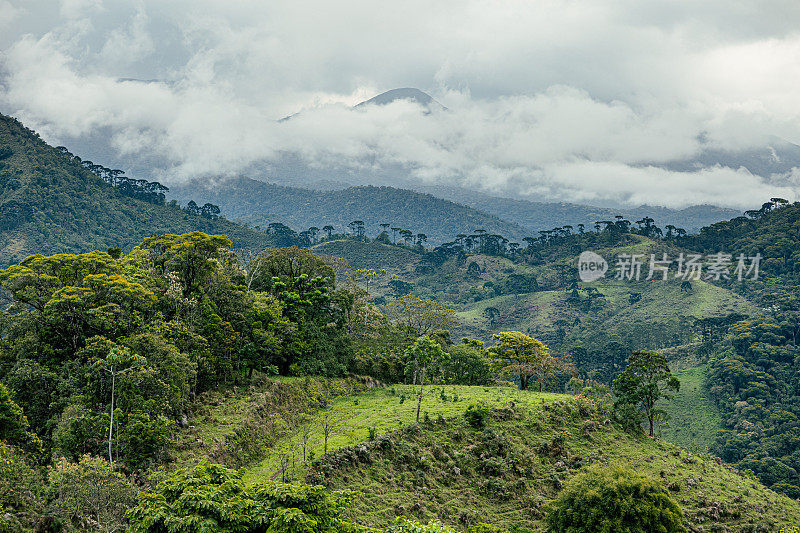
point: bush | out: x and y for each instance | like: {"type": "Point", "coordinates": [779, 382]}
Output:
{"type": "Point", "coordinates": [20, 486]}
{"type": "Point", "coordinates": [476, 416]}
{"type": "Point", "coordinates": [614, 499]}
{"type": "Point", "coordinates": [480, 527]}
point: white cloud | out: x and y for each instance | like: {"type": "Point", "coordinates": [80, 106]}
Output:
{"type": "Point", "coordinates": [573, 101]}
{"type": "Point", "coordinates": [8, 13]}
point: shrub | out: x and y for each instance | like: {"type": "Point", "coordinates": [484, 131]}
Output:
{"type": "Point", "coordinates": [480, 527]}
{"type": "Point", "coordinates": [476, 416]}
{"type": "Point", "coordinates": [20, 486]}
{"type": "Point", "coordinates": [614, 499]}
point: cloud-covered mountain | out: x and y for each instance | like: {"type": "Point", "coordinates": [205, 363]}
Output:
{"type": "Point", "coordinates": [409, 94]}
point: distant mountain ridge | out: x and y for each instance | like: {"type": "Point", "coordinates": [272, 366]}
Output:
{"type": "Point", "coordinates": [537, 216]}
{"type": "Point", "coordinates": [259, 203]}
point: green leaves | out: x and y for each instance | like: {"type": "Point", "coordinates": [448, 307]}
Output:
{"type": "Point", "coordinates": [604, 499]}
{"type": "Point", "coordinates": [644, 381]}
{"type": "Point", "coordinates": [14, 427]}
{"type": "Point", "coordinates": [426, 352]}
{"type": "Point", "coordinates": [214, 498]}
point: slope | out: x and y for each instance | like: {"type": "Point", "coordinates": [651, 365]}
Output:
{"type": "Point", "coordinates": [259, 203]}
{"type": "Point", "coordinates": [501, 467]}
{"type": "Point", "coordinates": [50, 204]}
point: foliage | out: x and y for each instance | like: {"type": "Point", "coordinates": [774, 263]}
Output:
{"type": "Point", "coordinates": [89, 494]}
{"type": "Point", "coordinates": [754, 380]}
{"type": "Point", "coordinates": [476, 416]}
{"type": "Point", "coordinates": [14, 427]}
{"type": "Point", "coordinates": [519, 355]}
{"type": "Point", "coordinates": [213, 498]}
{"type": "Point", "coordinates": [124, 343]}
{"type": "Point", "coordinates": [641, 385]}
{"type": "Point", "coordinates": [424, 361]}
{"type": "Point", "coordinates": [469, 364]}
{"type": "Point", "coordinates": [420, 316]}
{"type": "Point", "coordinates": [404, 525]}
{"type": "Point", "coordinates": [616, 499]}
{"type": "Point", "coordinates": [20, 491]}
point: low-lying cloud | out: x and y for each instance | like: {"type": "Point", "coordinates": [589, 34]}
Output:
{"type": "Point", "coordinates": [583, 102]}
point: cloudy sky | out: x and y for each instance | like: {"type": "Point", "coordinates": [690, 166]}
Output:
{"type": "Point", "coordinates": [583, 101]}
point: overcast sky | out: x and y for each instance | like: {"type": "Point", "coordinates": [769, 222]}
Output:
{"type": "Point", "coordinates": [557, 99]}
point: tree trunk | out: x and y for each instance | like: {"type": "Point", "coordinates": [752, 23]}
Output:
{"type": "Point", "coordinates": [419, 397]}
{"type": "Point", "coordinates": [111, 425]}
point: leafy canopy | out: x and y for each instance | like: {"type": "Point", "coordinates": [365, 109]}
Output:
{"type": "Point", "coordinates": [614, 500]}
{"type": "Point", "coordinates": [211, 497]}
{"type": "Point", "coordinates": [645, 381]}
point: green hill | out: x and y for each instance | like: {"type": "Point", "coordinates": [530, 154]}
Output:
{"type": "Point", "coordinates": [259, 203]}
{"type": "Point", "coordinates": [446, 469]}
{"type": "Point", "coordinates": [373, 255]}
{"type": "Point", "coordinates": [50, 203]}
{"type": "Point", "coordinates": [493, 294]}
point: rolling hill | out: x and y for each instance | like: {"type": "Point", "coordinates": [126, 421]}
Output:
{"type": "Point", "coordinates": [259, 203]}
{"type": "Point", "coordinates": [50, 203]}
{"type": "Point", "coordinates": [502, 472]}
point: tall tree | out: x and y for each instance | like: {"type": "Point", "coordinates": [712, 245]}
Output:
{"type": "Point", "coordinates": [419, 316]}
{"type": "Point", "coordinates": [646, 380]}
{"type": "Point", "coordinates": [118, 361]}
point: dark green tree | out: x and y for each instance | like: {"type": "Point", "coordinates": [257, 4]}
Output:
{"type": "Point", "coordinates": [646, 380]}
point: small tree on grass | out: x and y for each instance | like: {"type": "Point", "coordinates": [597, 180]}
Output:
{"type": "Point", "coordinates": [329, 423]}
{"type": "Point", "coordinates": [425, 358]}
{"type": "Point", "coordinates": [614, 499]}
{"type": "Point", "coordinates": [644, 381]}
{"type": "Point", "coordinates": [522, 356]}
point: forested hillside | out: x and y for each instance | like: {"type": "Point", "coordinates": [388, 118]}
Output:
{"type": "Point", "coordinates": [258, 204]}
{"type": "Point", "coordinates": [52, 202]}
{"type": "Point", "coordinates": [537, 216]}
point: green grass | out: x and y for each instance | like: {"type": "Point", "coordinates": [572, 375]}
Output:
{"type": "Point", "coordinates": [443, 469]}
{"type": "Point", "coordinates": [507, 474]}
{"type": "Point", "coordinates": [694, 419]}
{"type": "Point", "coordinates": [385, 410]}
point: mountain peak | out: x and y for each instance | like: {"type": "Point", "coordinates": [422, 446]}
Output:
{"type": "Point", "coordinates": [404, 93]}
